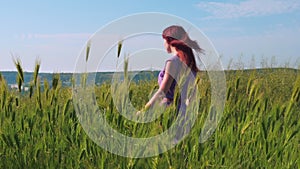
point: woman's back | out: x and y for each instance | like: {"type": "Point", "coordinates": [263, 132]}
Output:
{"type": "Point", "coordinates": [181, 75]}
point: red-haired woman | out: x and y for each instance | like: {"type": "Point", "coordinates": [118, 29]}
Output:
{"type": "Point", "coordinates": [178, 43]}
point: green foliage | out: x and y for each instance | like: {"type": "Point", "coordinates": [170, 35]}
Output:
{"type": "Point", "coordinates": [36, 71]}
{"type": "Point", "coordinates": [120, 44]}
{"type": "Point", "coordinates": [88, 48]}
{"type": "Point", "coordinates": [20, 78]}
{"type": "Point", "coordinates": [259, 127]}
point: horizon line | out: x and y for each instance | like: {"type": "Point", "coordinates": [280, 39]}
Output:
{"type": "Point", "coordinates": [111, 71]}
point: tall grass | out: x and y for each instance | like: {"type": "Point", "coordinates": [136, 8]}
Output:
{"type": "Point", "coordinates": [259, 127]}
{"type": "Point", "coordinates": [20, 77]}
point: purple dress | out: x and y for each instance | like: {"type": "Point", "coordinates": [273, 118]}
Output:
{"type": "Point", "coordinates": [175, 73]}
{"type": "Point", "coordinates": [179, 70]}
{"type": "Point", "coordinates": [170, 93]}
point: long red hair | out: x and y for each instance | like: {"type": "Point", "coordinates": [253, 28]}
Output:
{"type": "Point", "coordinates": [177, 37]}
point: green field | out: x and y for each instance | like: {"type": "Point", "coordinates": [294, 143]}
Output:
{"type": "Point", "coordinates": [259, 128]}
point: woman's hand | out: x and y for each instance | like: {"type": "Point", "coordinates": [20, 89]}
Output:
{"type": "Point", "coordinates": [146, 108]}
{"type": "Point", "coordinates": [138, 113]}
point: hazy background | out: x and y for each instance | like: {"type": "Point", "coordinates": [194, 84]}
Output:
{"type": "Point", "coordinates": [56, 31]}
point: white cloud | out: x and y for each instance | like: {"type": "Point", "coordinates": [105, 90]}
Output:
{"type": "Point", "coordinates": [66, 35]}
{"type": "Point", "coordinates": [248, 8]}
{"type": "Point", "coordinates": [54, 36]}
{"type": "Point", "coordinates": [282, 43]}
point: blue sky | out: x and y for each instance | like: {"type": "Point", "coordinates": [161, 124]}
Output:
{"type": "Point", "coordinates": [56, 31]}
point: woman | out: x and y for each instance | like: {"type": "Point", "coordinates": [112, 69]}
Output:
{"type": "Point", "coordinates": [178, 43]}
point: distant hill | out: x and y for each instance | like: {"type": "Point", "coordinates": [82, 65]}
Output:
{"type": "Point", "coordinates": [101, 77]}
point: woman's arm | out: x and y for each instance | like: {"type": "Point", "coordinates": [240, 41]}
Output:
{"type": "Point", "coordinates": [165, 85]}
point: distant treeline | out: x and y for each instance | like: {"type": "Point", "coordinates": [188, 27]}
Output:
{"type": "Point", "coordinates": [66, 78]}
{"type": "Point", "coordinates": [106, 77]}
